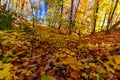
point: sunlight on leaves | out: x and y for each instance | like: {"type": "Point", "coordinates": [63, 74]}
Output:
{"type": "Point", "coordinates": [5, 71]}
{"type": "Point", "coordinates": [109, 69]}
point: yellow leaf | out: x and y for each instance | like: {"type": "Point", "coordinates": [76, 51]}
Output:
{"type": "Point", "coordinates": [67, 61]}
{"type": "Point", "coordinates": [116, 66]}
{"type": "Point", "coordinates": [109, 69]}
{"type": "Point", "coordinates": [60, 55]}
{"type": "Point", "coordinates": [50, 10]}
{"type": "Point", "coordinates": [5, 71]}
{"type": "Point", "coordinates": [74, 67]}
{"type": "Point", "coordinates": [57, 55]}
{"type": "Point", "coordinates": [85, 75]}
{"type": "Point", "coordinates": [92, 64]}
{"type": "Point", "coordinates": [90, 46]}
{"type": "Point", "coordinates": [80, 47]}
{"type": "Point", "coordinates": [101, 69]}
{"type": "Point", "coordinates": [23, 71]}
{"type": "Point", "coordinates": [69, 52]}
{"type": "Point", "coordinates": [71, 60]}
{"type": "Point", "coordinates": [95, 74]}
{"type": "Point", "coordinates": [1, 75]}
{"type": "Point", "coordinates": [117, 59]}
{"type": "Point", "coordinates": [110, 58]}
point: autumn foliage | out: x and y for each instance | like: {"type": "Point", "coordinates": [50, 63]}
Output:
{"type": "Point", "coordinates": [30, 50]}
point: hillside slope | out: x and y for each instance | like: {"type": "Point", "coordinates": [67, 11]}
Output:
{"type": "Point", "coordinates": [48, 54]}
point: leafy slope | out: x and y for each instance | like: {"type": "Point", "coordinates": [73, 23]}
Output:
{"type": "Point", "coordinates": [60, 57]}
{"type": "Point", "coordinates": [101, 37]}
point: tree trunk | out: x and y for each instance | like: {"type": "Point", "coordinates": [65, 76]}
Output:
{"type": "Point", "coordinates": [95, 16]}
{"type": "Point", "coordinates": [32, 50]}
{"type": "Point", "coordinates": [108, 22]}
{"type": "Point", "coordinates": [22, 6]}
{"type": "Point", "coordinates": [9, 4]}
{"type": "Point", "coordinates": [2, 50]}
{"type": "Point", "coordinates": [103, 22]}
{"type": "Point", "coordinates": [71, 18]}
{"type": "Point", "coordinates": [76, 12]}
{"type": "Point", "coordinates": [16, 6]}
{"type": "Point", "coordinates": [61, 14]}
{"type": "Point", "coordinates": [12, 4]}
{"type": "Point", "coordinates": [0, 2]}
{"type": "Point", "coordinates": [111, 15]}
{"type": "Point", "coordinates": [113, 27]}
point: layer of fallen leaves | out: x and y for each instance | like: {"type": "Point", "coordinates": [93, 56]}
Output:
{"type": "Point", "coordinates": [100, 37]}
{"type": "Point", "coordinates": [58, 57]}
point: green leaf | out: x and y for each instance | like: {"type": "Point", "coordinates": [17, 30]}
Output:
{"type": "Point", "coordinates": [6, 59]}
{"type": "Point", "coordinates": [100, 76]}
{"type": "Point", "coordinates": [87, 71]}
{"type": "Point", "coordinates": [46, 78]}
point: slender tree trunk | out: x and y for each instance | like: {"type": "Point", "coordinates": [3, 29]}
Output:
{"type": "Point", "coordinates": [76, 10]}
{"type": "Point", "coordinates": [12, 4]}
{"type": "Point", "coordinates": [112, 14]}
{"type": "Point", "coordinates": [2, 50]}
{"type": "Point", "coordinates": [71, 17]}
{"type": "Point", "coordinates": [103, 22]}
{"type": "Point", "coordinates": [32, 50]}
{"type": "Point", "coordinates": [113, 27]}
{"type": "Point", "coordinates": [118, 17]}
{"type": "Point", "coordinates": [7, 4]}
{"type": "Point", "coordinates": [0, 2]}
{"type": "Point", "coordinates": [53, 20]}
{"type": "Point", "coordinates": [95, 16]}
{"type": "Point", "coordinates": [61, 14]}
{"type": "Point", "coordinates": [22, 6]}
{"type": "Point", "coordinates": [108, 22]}
{"type": "Point", "coordinates": [16, 6]}
{"type": "Point", "coordinates": [114, 10]}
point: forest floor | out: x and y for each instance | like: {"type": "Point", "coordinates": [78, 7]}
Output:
{"type": "Point", "coordinates": [50, 54]}
{"type": "Point", "coordinates": [55, 56]}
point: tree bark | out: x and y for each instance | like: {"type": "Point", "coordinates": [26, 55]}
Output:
{"type": "Point", "coordinates": [22, 6]}
{"type": "Point", "coordinates": [33, 24]}
{"type": "Point", "coordinates": [9, 4]}
{"type": "Point", "coordinates": [61, 14]}
{"type": "Point", "coordinates": [113, 27]}
{"type": "Point", "coordinates": [108, 22]}
{"type": "Point", "coordinates": [16, 6]}
{"type": "Point", "coordinates": [71, 17]}
{"type": "Point", "coordinates": [76, 12]}
{"type": "Point", "coordinates": [0, 2]}
{"type": "Point", "coordinates": [103, 22]}
{"type": "Point", "coordinates": [95, 16]}
{"type": "Point", "coordinates": [2, 50]}
{"type": "Point", "coordinates": [111, 15]}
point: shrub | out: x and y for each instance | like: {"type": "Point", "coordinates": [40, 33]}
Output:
{"type": "Point", "coordinates": [5, 20]}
